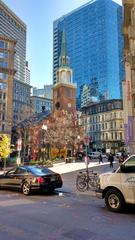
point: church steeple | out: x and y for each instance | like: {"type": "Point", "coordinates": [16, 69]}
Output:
{"type": "Point", "coordinates": [64, 91]}
{"type": "Point", "coordinates": [64, 59]}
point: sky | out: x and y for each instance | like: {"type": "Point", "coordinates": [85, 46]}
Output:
{"type": "Point", "coordinates": [39, 16]}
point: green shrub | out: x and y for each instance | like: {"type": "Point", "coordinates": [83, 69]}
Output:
{"type": "Point", "coordinates": [47, 163]}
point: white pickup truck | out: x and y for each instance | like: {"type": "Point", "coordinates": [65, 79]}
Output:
{"type": "Point", "coordinates": [118, 187]}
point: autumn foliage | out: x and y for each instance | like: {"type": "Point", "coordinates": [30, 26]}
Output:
{"type": "Point", "coordinates": [61, 134]}
{"type": "Point", "coordinates": [5, 148]}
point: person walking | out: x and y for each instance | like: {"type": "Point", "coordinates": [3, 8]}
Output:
{"type": "Point", "coordinates": [100, 158]}
{"type": "Point", "coordinates": [111, 159]}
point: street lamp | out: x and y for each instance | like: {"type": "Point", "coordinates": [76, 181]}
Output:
{"type": "Point", "coordinates": [78, 147]}
{"type": "Point", "coordinates": [44, 129]}
{"type": "Point", "coordinates": [86, 155]}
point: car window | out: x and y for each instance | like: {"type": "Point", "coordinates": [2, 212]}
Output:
{"type": "Point", "coordinates": [40, 171]}
{"type": "Point", "coordinates": [10, 172]}
{"type": "Point", "coordinates": [129, 166]}
{"type": "Point", "coordinates": [21, 170]}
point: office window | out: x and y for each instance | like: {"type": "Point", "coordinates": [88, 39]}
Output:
{"type": "Point", "coordinates": [3, 127]}
{"type": "Point", "coordinates": [3, 85]}
{"type": "Point", "coordinates": [3, 76]}
{"type": "Point", "coordinates": [3, 44]}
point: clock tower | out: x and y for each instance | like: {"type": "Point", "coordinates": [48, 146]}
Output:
{"type": "Point", "coordinates": [64, 91]}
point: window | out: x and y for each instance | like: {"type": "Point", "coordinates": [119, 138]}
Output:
{"type": "Point", "coordinates": [3, 85]}
{"type": "Point", "coordinates": [3, 127]}
{"type": "Point", "coordinates": [20, 170]}
{"type": "Point", "coordinates": [3, 54]}
{"type": "Point", "coordinates": [120, 135]}
{"type": "Point", "coordinates": [4, 106]}
{"type": "Point", "coordinates": [3, 117]}
{"type": "Point", "coordinates": [3, 64]}
{"type": "Point", "coordinates": [4, 96]}
{"type": "Point", "coordinates": [3, 44]}
{"type": "Point", "coordinates": [11, 172]}
{"type": "Point", "coordinates": [129, 167]}
{"type": "Point", "coordinates": [3, 76]}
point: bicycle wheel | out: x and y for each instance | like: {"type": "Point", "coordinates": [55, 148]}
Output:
{"type": "Point", "coordinates": [81, 183]}
{"type": "Point", "coordinates": [93, 182]}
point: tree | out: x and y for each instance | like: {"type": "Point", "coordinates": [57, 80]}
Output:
{"type": "Point", "coordinates": [5, 148]}
{"type": "Point", "coordinates": [63, 131]}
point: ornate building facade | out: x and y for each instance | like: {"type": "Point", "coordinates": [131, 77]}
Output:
{"type": "Point", "coordinates": [103, 123]}
{"type": "Point", "coordinates": [129, 82]}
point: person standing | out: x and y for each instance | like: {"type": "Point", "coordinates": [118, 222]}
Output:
{"type": "Point", "coordinates": [100, 158]}
{"type": "Point", "coordinates": [111, 159]}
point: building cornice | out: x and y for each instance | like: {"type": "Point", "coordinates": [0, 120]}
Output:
{"type": "Point", "coordinates": [70, 85]}
{"type": "Point", "coordinates": [12, 14]}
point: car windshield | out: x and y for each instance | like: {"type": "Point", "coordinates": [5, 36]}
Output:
{"type": "Point", "coordinates": [40, 170]}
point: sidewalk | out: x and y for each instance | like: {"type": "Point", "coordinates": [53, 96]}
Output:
{"type": "Point", "coordinates": [69, 167]}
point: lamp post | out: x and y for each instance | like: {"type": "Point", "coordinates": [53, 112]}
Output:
{"type": "Point", "coordinates": [19, 148]}
{"type": "Point", "coordinates": [86, 157]}
{"type": "Point", "coordinates": [78, 146]}
{"type": "Point", "coordinates": [44, 129]}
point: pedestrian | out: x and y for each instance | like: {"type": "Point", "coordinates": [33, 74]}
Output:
{"type": "Point", "coordinates": [111, 159]}
{"type": "Point", "coordinates": [100, 158]}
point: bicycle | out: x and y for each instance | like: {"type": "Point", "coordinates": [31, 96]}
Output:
{"type": "Point", "coordinates": [87, 180]}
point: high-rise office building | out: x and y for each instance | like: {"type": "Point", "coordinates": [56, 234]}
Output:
{"type": "Point", "coordinates": [27, 73]}
{"type": "Point", "coordinates": [11, 26]}
{"type": "Point", "coordinates": [7, 72]}
{"type": "Point", "coordinates": [94, 46]}
{"type": "Point", "coordinates": [45, 92]}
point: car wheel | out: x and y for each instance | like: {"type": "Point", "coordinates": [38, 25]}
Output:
{"type": "Point", "coordinates": [114, 200]}
{"type": "Point", "coordinates": [26, 188]}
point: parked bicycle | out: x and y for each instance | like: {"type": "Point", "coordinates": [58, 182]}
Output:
{"type": "Point", "coordinates": [87, 180]}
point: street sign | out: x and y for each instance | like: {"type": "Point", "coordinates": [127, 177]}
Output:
{"type": "Point", "coordinates": [19, 144]}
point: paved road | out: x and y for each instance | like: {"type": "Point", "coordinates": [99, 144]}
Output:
{"type": "Point", "coordinates": [66, 216]}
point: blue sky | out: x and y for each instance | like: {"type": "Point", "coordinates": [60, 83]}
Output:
{"type": "Point", "coordinates": [39, 16]}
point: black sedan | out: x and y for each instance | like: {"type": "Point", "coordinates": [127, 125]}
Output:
{"type": "Point", "coordinates": [28, 178]}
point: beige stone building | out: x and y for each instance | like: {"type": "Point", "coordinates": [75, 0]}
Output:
{"type": "Point", "coordinates": [129, 82]}
{"type": "Point", "coordinates": [7, 51]}
{"type": "Point", "coordinates": [103, 123]}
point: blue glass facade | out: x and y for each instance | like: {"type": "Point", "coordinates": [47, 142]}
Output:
{"type": "Point", "coordinates": [94, 45]}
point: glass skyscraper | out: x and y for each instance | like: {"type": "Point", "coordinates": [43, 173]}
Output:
{"type": "Point", "coordinates": [94, 46]}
